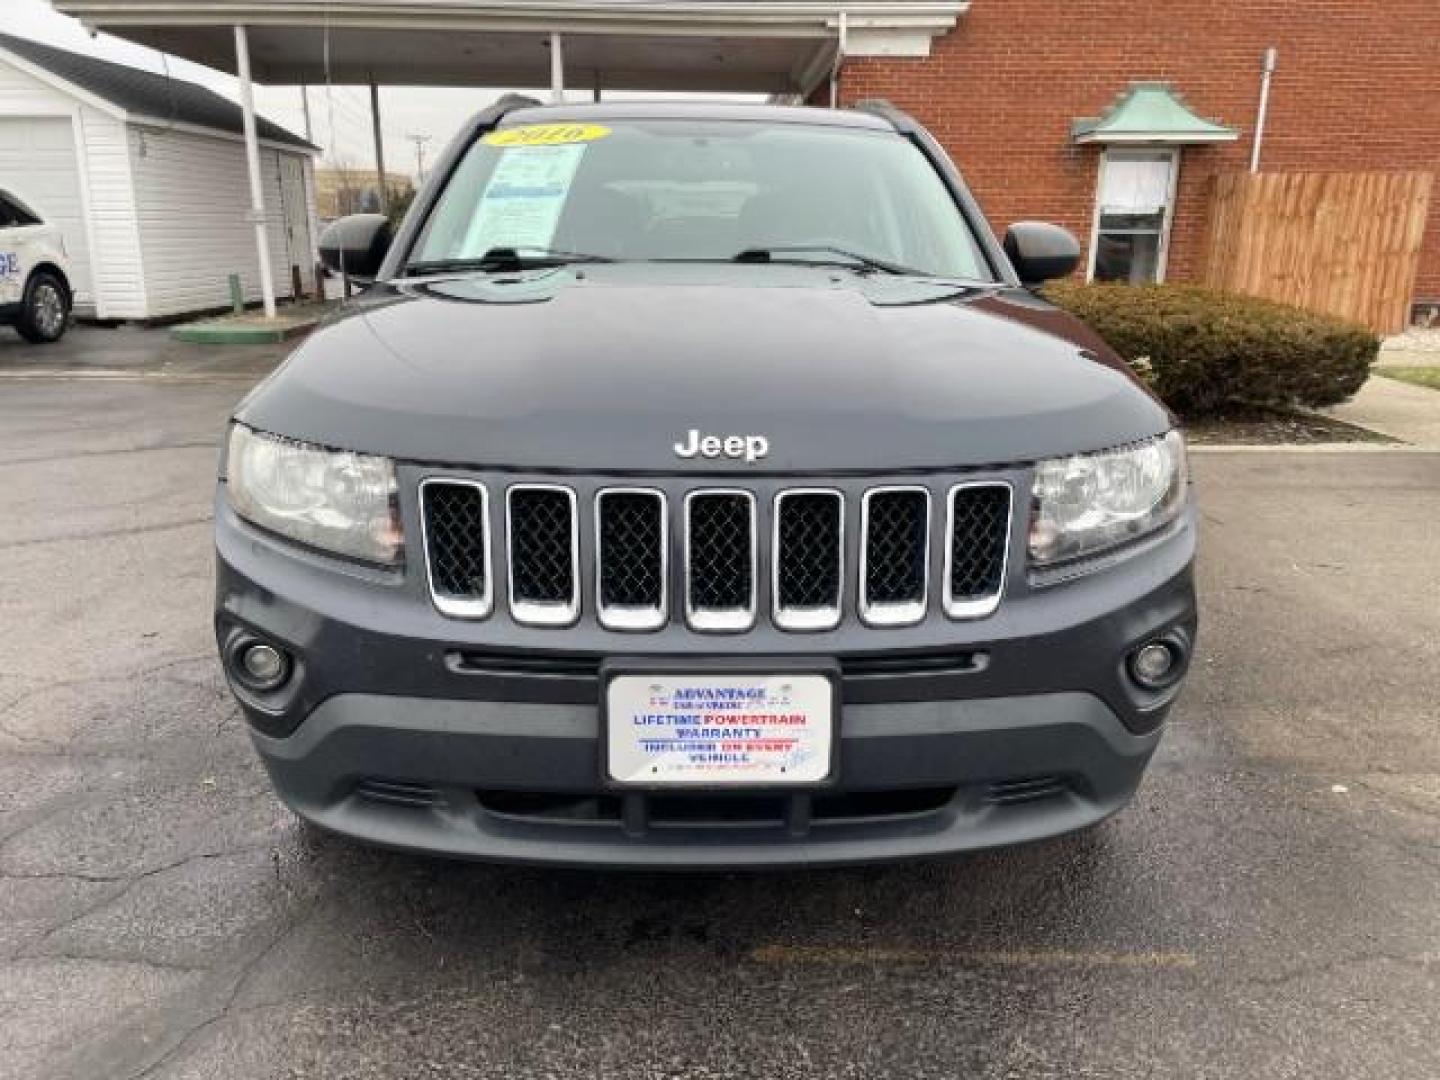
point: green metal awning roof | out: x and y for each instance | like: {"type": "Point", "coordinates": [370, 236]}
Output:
{"type": "Point", "coordinates": [1150, 112]}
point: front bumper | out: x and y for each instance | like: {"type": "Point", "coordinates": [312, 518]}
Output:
{"type": "Point", "coordinates": [424, 774]}
{"type": "Point", "coordinates": [406, 729]}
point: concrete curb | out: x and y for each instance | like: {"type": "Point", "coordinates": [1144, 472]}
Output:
{"type": "Point", "coordinates": [112, 375]}
{"type": "Point", "coordinates": [228, 333]}
{"type": "Point", "coordinates": [1310, 448]}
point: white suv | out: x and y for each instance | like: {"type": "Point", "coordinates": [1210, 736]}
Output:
{"type": "Point", "coordinates": [35, 293]}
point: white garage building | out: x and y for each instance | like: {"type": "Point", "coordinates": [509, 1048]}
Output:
{"type": "Point", "coordinates": [147, 177]}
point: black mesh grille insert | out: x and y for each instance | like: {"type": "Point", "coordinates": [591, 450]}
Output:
{"type": "Point", "coordinates": [542, 570]}
{"type": "Point", "coordinates": [632, 537]}
{"type": "Point", "coordinates": [721, 552]}
{"type": "Point", "coordinates": [895, 547]}
{"type": "Point", "coordinates": [977, 543]}
{"type": "Point", "coordinates": [808, 550]}
{"type": "Point", "coordinates": [455, 533]}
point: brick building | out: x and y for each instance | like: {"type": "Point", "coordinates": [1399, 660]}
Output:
{"type": "Point", "coordinates": [1356, 86]}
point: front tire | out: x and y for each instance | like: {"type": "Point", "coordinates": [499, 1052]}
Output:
{"type": "Point", "coordinates": [45, 311]}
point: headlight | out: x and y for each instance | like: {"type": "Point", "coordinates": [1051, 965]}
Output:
{"type": "Point", "coordinates": [332, 500]}
{"type": "Point", "coordinates": [1090, 502]}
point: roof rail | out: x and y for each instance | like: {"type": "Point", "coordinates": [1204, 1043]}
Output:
{"type": "Point", "coordinates": [510, 102]}
{"type": "Point", "coordinates": [900, 121]}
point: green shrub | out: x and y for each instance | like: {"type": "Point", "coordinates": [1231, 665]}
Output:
{"type": "Point", "coordinates": [1205, 351]}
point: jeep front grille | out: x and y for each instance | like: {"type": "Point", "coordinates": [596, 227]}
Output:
{"type": "Point", "coordinates": [979, 536]}
{"type": "Point", "coordinates": [632, 563]}
{"type": "Point", "coordinates": [895, 555]}
{"type": "Point", "coordinates": [807, 562]}
{"type": "Point", "coordinates": [544, 554]}
{"type": "Point", "coordinates": [455, 517]}
{"type": "Point", "coordinates": [725, 570]}
{"type": "Point", "coordinates": [720, 557]}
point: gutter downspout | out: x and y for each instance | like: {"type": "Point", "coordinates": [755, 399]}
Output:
{"type": "Point", "coordinates": [839, 60]}
{"type": "Point", "coordinates": [1266, 74]}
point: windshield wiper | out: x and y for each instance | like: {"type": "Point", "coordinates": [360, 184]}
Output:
{"type": "Point", "coordinates": [505, 260]}
{"type": "Point", "coordinates": [838, 256]}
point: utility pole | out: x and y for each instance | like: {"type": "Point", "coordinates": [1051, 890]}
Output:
{"type": "Point", "coordinates": [379, 147]}
{"type": "Point", "coordinates": [419, 141]}
{"type": "Point", "coordinates": [305, 105]}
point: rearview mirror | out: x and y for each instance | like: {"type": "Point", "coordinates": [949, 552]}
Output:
{"type": "Point", "coordinates": [1041, 252]}
{"type": "Point", "coordinates": [356, 245]}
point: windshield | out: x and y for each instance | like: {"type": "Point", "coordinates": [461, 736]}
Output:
{"type": "Point", "coordinates": [687, 190]}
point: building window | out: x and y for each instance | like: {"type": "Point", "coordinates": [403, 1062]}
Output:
{"type": "Point", "coordinates": [1134, 202]}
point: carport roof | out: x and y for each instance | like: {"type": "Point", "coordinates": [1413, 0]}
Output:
{"type": "Point", "coordinates": [143, 94]}
{"type": "Point", "coordinates": [767, 46]}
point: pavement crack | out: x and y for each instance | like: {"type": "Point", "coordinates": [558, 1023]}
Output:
{"type": "Point", "coordinates": [131, 880]}
{"type": "Point", "coordinates": [109, 534]}
{"type": "Point", "coordinates": [156, 669]}
{"type": "Point", "coordinates": [85, 958]}
{"type": "Point", "coordinates": [231, 994]}
{"type": "Point", "coordinates": [48, 459]}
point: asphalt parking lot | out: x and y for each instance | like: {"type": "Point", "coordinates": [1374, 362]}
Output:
{"type": "Point", "coordinates": [1270, 906]}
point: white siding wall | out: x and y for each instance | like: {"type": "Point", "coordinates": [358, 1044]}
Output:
{"type": "Point", "coordinates": [192, 197]}
{"type": "Point", "coordinates": [105, 187]}
{"type": "Point", "coordinates": [22, 95]}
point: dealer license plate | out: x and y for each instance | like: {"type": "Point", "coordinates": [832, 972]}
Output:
{"type": "Point", "coordinates": [718, 730]}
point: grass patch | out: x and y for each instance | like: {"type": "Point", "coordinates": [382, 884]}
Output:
{"type": "Point", "coordinates": [1418, 376]}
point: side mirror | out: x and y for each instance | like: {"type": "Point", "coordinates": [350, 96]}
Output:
{"type": "Point", "coordinates": [1041, 252]}
{"type": "Point", "coordinates": [356, 245]}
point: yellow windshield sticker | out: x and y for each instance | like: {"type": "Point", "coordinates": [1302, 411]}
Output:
{"type": "Point", "coordinates": [546, 135]}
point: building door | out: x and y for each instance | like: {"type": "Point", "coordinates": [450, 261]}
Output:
{"type": "Point", "coordinates": [38, 165]}
{"type": "Point", "coordinates": [1134, 204]}
{"type": "Point", "coordinates": [296, 214]}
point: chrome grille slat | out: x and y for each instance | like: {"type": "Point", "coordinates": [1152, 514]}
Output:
{"type": "Point", "coordinates": [632, 545]}
{"type": "Point", "coordinates": [720, 560]}
{"type": "Point", "coordinates": [542, 531]}
{"type": "Point", "coordinates": [807, 558]}
{"type": "Point", "coordinates": [455, 527]}
{"type": "Point", "coordinates": [894, 555]}
{"type": "Point", "coordinates": [977, 532]}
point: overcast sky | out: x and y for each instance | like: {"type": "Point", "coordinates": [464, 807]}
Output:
{"type": "Point", "coordinates": [405, 112]}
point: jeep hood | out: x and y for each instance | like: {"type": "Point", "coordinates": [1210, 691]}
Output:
{"type": "Point", "coordinates": [606, 369]}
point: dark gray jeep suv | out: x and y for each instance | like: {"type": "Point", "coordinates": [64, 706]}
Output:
{"type": "Point", "coordinates": [701, 485]}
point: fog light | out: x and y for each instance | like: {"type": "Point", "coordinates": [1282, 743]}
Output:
{"type": "Point", "coordinates": [1154, 666]}
{"type": "Point", "coordinates": [262, 666]}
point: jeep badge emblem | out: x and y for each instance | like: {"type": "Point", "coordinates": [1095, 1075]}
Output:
{"type": "Point", "coordinates": [749, 447]}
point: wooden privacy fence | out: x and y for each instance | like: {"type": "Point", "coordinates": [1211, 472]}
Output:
{"type": "Point", "coordinates": [1346, 244]}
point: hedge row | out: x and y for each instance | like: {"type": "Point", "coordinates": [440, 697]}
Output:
{"type": "Point", "coordinates": [1205, 351]}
